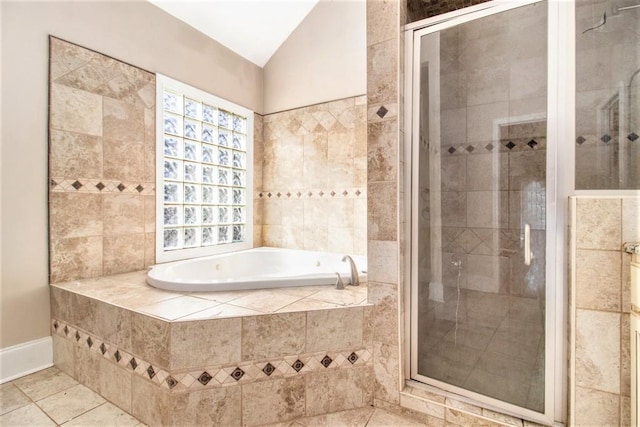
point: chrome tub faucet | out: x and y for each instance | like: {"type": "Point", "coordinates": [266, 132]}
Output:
{"type": "Point", "coordinates": [355, 278]}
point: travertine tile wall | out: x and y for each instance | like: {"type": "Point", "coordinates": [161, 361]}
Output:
{"type": "Point", "coordinates": [314, 178]}
{"type": "Point", "coordinates": [101, 164]}
{"type": "Point", "coordinates": [384, 129]}
{"type": "Point", "coordinates": [600, 387]}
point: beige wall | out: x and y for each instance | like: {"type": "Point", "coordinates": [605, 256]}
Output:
{"type": "Point", "coordinates": [322, 60]}
{"type": "Point", "coordinates": [135, 32]}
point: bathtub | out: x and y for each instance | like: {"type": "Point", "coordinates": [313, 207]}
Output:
{"type": "Point", "coordinates": [257, 268]}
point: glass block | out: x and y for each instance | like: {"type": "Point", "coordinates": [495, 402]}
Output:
{"type": "Point", "coordinates": [208, 134]}
{"type": "Point", "coordinates": [172, 146]}
{"type": "Point", "coordinates": [239, 124]}
{"type": "Point", "coordinates": [238, 178]}
{"type": "Point", "coordinates": [223, 176]}
{"type": "Point", "coordinates": [209, 153]}
{"type": "Point", "coordinates": [209, 114]}
{"type": "Point", "coordinates": [223, 234]}
{"type": "Point", "coordinates": [191, 216]}
{"type": "Point", "coordinates": [238, 214]}
{"type": "Point", "coordinates": [224, 157]}
{"type": "Point", "coordinates": [238, 233]}
{"type": "Point", "coordinates": [172, 193]}
{"type": "Point", "coordinates": [172, 102]}
{"type": "Point", "coordinates": [239, 142]}
{"type": "Point", "coordinates": [171, 215]}
{"type": "Point", "coordinates": [208, 174]}
{"type": "Point", "coordinates": [172, 124]}
{"type": "Point", "coordinates": [192, 129]}
{"type": "Point", "coordinates": [238, 196]}
{"type": "Point", "coordinates": [208, 194]}
{"type": "Point", "coordinates": [239, 160]}
{"type": "Point", "coordinates": [223, 196]}
{"type": "Point", "coordinates": [171, 239]}
{"type": "Point", "coordinates": [192, 109]}
{"type": "Point", "coordinates": [191, 193]}
{"type": "Point", "coordinates": [192, 172]}
{"type": "Point", "coordinates": [192, 150]}
{"type": "Point", "coordinates": [173, 169]}
{"type": "Point", "coordinates": [208, 216]}
{"type": "Point", "coordinates": [224, 138]}
{"type": "Point", "coordinates": [208, 236]}
{"type": "Point", "coordinates": [224, 119]}
{"type": "Point", "coordinates": [190, 237]}
{"type": "Point", "coordinates": [223, 215]}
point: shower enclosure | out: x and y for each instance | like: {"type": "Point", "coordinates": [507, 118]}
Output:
{"type": "Point", "coordinates": [510, 107]}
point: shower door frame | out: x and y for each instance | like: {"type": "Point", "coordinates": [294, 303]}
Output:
{"type": "Point", "coordinates": [559, 183]}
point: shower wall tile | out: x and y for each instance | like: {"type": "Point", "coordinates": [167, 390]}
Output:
{"type": "Point", "coordinates": [273, 401]}
{"type": "Point", "coordinates": [599, 275]}
{"type": "Point", "coordinates": [102, 164]}
{"type": "Point", "coordinates": [338, 390]}
{"type": "Point", "coordinates": [384, 316]}
{"type": "Point", "coordinates": [599, 224]}
{"type": "Point", "coordinates": [382, 211]}
{"type": "Point", "coordinates": [595, 407]}
{"type": "Point", "coordinates": [386, 368]}
{"type": "Point", "coordinates": [382, 77]}
{"type": "Point", "coordinates": [382, 160]}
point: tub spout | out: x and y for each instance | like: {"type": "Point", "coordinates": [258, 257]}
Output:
{"type": "Point", "coordinates": [339, 282]}
{"type": "Point", "coordinates": [355, 278]}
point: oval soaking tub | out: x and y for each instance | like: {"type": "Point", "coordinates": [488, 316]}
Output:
{"type": "Point", "coordinates": [257, 268]}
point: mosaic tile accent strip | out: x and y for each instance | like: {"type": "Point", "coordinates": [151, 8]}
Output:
{"type": "Point", "coordinates": [316, 193]}
{"type": "Point", "coordinates": [602, 140]}
{"type": "Point", "coordinates": [82, 185]}
{"type": "Point", "coordinates": [214, 376]}
{"type": "Point", "coordinates": [505, 146]}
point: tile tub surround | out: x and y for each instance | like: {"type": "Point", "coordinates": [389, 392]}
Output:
{"type": "Point", "coordinates": [101, 164]}
{"type": "Point", "coordinates": [314, 177]}
{"type": "Point", "coordinates": [160, 355]}
{"type": "Point", "coordinates": [600, 305]}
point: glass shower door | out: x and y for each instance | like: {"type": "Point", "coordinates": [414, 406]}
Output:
{"type": "Point", "coordinates": [479, 207]}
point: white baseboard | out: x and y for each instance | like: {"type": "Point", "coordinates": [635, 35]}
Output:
{"type": "Point", "coordinates": [26, 358]}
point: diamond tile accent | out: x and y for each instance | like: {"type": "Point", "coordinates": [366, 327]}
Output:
{"type": "Point", "coordinates": [100, 186]}
{"type": "Point", "coordinates": [352, 358]}
{"type": "Point", "coordinates": [451, 150]}
{"type": "Point", "coordinates": [268, 369]}
{"type": "Point", "coordinates": [510, 145]}
{"type": "Point", "coordinates": [279, 194]}
{"type": "Point", "coordinates": [103, 349]}
{"type": "Point", "coordinates": [605, 138]}
{"type": "Point", "coordinates": [204, 378]}
{"type": "Point", "coordinates": [580, 140]}
{"type": "Point", "coordinates": [77, 336]}
{"type": "Point", "coordinates": [333, 193]}
{"type": "Point", "coordinates": [133, 363]}
{"type": "Point", "coordinates": [489, 146]}
{"type": "Point", "coordinates": [297, 365]}
{"type": "Point", "coordinates": [237, 374]}
{"type": "Point", "coordinates": [77, 185]}
{"type": "Point", "coordinates": [326, 361]}
{"type": "Point", "coordinates": [139, 188]}
{"type": "Point", "coordinates": [309, 194]}
{"type": "Point", "coordinates": [55, 325]}
{"type": "Point", "coordinates": [151, 372]}
{"type": "Point", "coordinates": [321, 193]}
{"type": "Point", "coordinates": [532, 143]}
{"type": "Point", "coordinates": [470, 148]}
{"type": "Point", "coordinates": [269, 195]}
{"type": "Point", "coordinates": [53, 183]}
{"type": "Point", "coordinates": [117, 355]}
{"type": "Point", "coordinates": [382, 111]}
{"type": "Point", "coordinates": [121, 187]}
{"type": "Point", "coordinates": [358, 192]}
{"type": "Point", "coordinates": [89, 342]}
{"type": "Point", "coordinates": [171, 382]}
{"type": "Point", "coordinates": [288, 194]}
{"type": "Point", "coordinates": [632, 136]}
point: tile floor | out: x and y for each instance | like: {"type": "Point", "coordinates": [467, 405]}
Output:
{"type": "Point", "coordinates": [52, 398]}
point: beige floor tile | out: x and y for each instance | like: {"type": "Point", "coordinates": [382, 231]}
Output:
{"type": "Point", "coordinates": [266, 301]}
{"type": "Point", "coordinates": [11, 398]}
{"type": "Point", "coordinates": [352, 418]}
{"type": "Point", "coordinates": [29, 415]}
{"type": "Point", "coordinates": [45, 383]}
{"type": "Point", "coordinates": [106, 414]}
{"type": "Point", "coordinates": [382, 418]}
{"type": "Point", "coordinates": [70, 403]}
{"type": "Point", "coordinates": [178, 307]}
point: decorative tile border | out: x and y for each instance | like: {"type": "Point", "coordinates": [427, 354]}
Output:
{"type": "Point", "coordinates": [381, 112]}
{"type": "Point", "coordinates": [82, 185]}
{"type": "Point", "coordinates": [504, 146]}
{"type": "Point", "coordinates": [214, 376]}
{"type": "Point", "coordinates": [345, 193]}
{"type": "Point", "coordinates": [604, 140]}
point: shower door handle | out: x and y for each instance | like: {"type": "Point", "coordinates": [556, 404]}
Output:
{"type": "Point", "coordinates": [528, 255]}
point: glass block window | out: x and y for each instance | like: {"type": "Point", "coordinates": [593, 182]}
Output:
{"type": "Point", "coordinates": [204, 158]}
